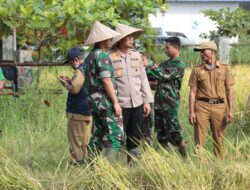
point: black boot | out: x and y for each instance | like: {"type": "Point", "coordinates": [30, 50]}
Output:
{"type": "Point", "coordinates": [133, 153]}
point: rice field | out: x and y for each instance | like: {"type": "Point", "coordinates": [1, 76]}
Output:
{"type": "Point", "coordinates": [34, 153]}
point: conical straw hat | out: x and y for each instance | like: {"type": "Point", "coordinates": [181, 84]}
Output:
{"type": "Point", "coordinates": [100, 32]}
{"type": "Point", "coordinates": [124, 31]}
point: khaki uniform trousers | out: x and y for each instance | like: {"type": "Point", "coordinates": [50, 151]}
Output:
{"type": "Point", "coordinates": [79, 131]}
{"type": "Point", "coordinates": [215, 115]}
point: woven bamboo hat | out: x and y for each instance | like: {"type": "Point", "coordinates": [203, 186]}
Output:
{"type": "Point", "coordinates": [100, 32]}
{"type": "Point", "coordinates": [124, 31]}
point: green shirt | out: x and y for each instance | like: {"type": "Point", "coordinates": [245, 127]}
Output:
{"type": "Point", "coordinates": [1, 75]}
{"type": "Point", "coordinates": [169, 75]}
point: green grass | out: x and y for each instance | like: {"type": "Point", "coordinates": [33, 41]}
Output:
{"type": "Point", "coordinates": [239, 54]}
{"type": "Point", "coordinates": [34, 152]}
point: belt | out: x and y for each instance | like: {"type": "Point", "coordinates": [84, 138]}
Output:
{"type": "Point", "coordinates": [212, 100]}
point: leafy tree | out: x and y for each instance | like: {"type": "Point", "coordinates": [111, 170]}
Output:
{"type": "Point", "coordinates": [51, 23]}
{"type": "Point", "coordinates": [230, 22]}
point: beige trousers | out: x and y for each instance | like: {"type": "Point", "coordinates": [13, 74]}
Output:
{"type": "Point", "coordinates": [79, 131]}
{"type": "Point", "coordinates": [213, 114]}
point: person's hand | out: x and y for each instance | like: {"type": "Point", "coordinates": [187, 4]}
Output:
{"type": "Point", "coordinates": [154, 67]}
{"type": "Point", "coordinates": [64, 80]}
{"type": "Point", "coordinates": [144, 60]}
{"type": "Point", "coordinates": [192, 118]}
{"type": "Point", "coordinates": [147, 109]}
{"type": "Point", "coordinates": [229, 117]}
{"type": "Point", "coordinates": [118, 109]}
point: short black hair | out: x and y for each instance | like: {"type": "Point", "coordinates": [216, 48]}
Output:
{"type": "Point", "coordinates": [174, 41]}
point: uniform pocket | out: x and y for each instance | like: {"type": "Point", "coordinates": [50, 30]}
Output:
{"type": "Point", "coordinates": [203, 82]}
{"type": "Point", "coordinates": [135, 68]}
{"type": "Point", "coordinates": [220, 85]}
{"type": "Point", "coordinates": [119, 70]}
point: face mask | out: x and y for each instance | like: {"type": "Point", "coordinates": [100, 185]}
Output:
{"type": "Point", "coordinates": [76, 66]}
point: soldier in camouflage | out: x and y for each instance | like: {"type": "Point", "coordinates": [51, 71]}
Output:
{"type": "Point", "coordinates": [106, 111]}
{"type": "Point", "coordinates": [169, 75]}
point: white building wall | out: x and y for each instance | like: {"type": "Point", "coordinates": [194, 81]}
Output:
{"type": "Point", "coordinates": [186, 17]}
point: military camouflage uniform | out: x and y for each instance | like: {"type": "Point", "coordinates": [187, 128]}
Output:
{"type": "Point", "coordinates": [108, 129]}
{"type": "Point", "coordinates": [167, 98]}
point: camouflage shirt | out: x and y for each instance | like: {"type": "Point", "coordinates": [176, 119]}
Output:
{"type": "Point", "coordinates": [98, 66]}
{"type": "Point", "coordinates": [169, 75]}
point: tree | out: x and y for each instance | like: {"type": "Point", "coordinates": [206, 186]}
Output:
{"type": "Point", "coordinates": [230, 22]}
{"type": "Point", "coordinates": [66, 23]}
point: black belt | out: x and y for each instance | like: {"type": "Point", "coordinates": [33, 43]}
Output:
{"type": "Point", "coordinates": [212, 100]}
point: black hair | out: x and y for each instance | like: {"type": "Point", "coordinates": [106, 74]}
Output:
{"type": "Point", "coordinates": [174, 41]}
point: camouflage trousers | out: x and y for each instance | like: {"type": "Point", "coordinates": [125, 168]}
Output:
{"type": "Point", "coordinates": [168, 127]}
{"type": "Point", "coordinates": [107, 131]}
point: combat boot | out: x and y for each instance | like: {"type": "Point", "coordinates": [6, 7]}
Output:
{"type": "Point", "coordinates": [111, 154]}
{"type": "Point", "coordinates": [133, 153]}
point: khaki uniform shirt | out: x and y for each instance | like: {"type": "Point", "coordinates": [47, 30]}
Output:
{"type": "Point", "coordinates": [75, 86]}
{"type": "Point", "coordinates": [131, 79]}
{"type": "Point", "coordinates": [211, 83]}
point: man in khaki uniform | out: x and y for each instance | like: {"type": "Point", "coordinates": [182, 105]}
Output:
{"type": "Point", "coordinates": [132, 85]}
{"type": "Point", "coordinates": [78, 114]}
{"type": "Point", "coordinates": [210, 86]}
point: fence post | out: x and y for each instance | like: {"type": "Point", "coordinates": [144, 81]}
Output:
{"type": "Point", "coordinates": [7, 49]}
{"type": "Point", "coordinates": [224, 49]}
{"type": "Point", "coordinates": [24, 72]}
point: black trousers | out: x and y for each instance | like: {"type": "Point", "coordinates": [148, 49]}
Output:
{"type": "Point", "coordinates": [133, 125]}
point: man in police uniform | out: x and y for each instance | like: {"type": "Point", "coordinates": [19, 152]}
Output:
{"type": "Point", "coordinates": [210, 86]}
{"type": "Point", "coordinates": [132, 83]}
{"type": "Point", "coordinates": [78, 114]}
{"type": "Point", "coordinates": [105, 108]}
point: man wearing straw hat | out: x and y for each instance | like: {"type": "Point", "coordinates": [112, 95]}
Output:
{"type": "Point", "coordinates": [132, 84]}
{"type": "Point", "coordinates": [210, 84]}
{"type": "Point", "coordinates": [106, 111]}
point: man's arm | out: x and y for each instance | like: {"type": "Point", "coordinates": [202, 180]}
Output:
{"type": "Point", "coordinates": [163, 74]}
{"type": "Point", "coordinates": [192, 94]}
{"type": "Point", "coordinates": [2, 80]}
{"type": "Point", "coordinates": [108, 85]}
{"type": "Point", "coordinates": [229, 94]}
{"type": "Point", "coordinates": [2, 84]}
{"type": "Point", "coordinates": [76, 83]}
{"type": "Point", "coordinates": [105, 70]}
{"type": "Point", "coordinates": [145, 90]}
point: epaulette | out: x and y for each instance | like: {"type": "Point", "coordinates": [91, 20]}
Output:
{"type": "Point", "coordinates": [115, 53]}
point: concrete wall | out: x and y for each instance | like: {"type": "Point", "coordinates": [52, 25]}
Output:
{"type": "Point", "coordinates": [186, 17]}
